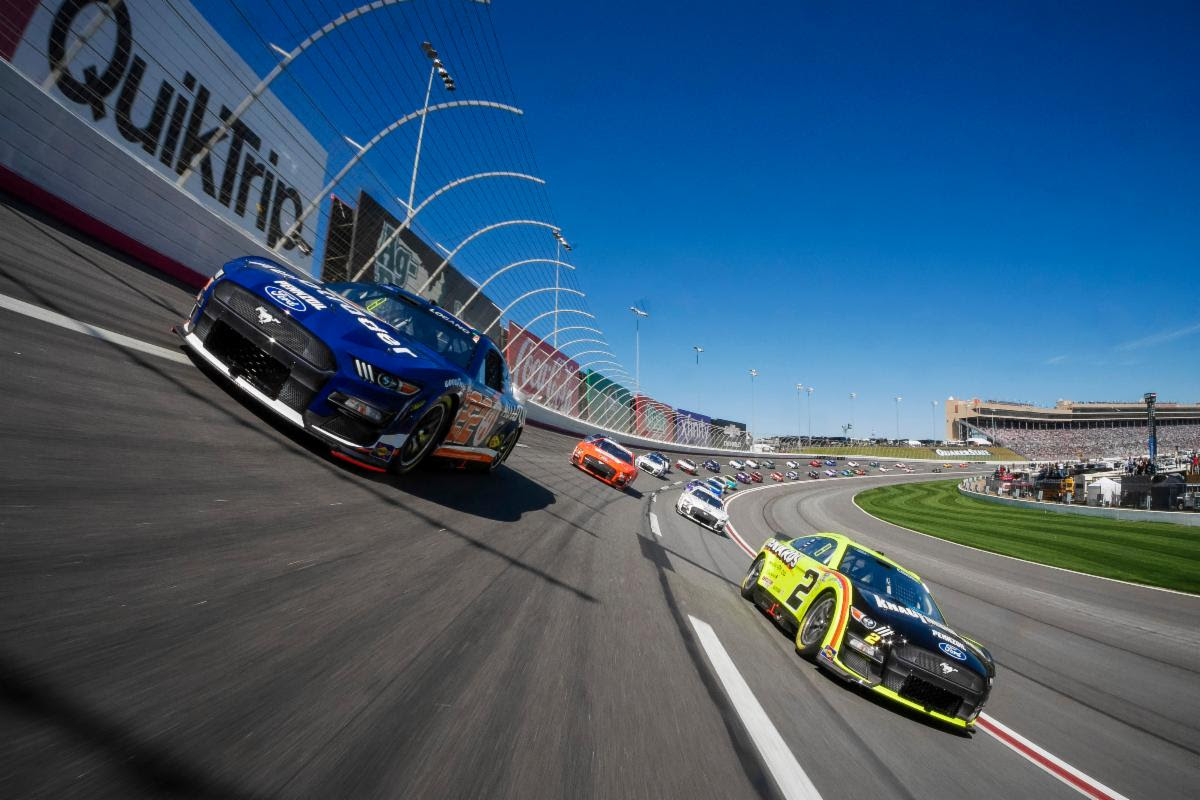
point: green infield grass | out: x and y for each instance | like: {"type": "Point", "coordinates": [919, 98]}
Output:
{"type": "Point", "coordinates": [1153, 553]}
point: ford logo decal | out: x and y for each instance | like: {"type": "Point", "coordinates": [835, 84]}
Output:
{"type": "Point", "coordinates": [285, 299]}
{"type": "Point", "coordinates": [952, 651]}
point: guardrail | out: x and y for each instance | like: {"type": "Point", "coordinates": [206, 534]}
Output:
{"type": "Point", "coordinates": [975, 487]}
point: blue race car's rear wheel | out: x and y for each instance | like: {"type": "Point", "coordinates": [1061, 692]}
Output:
{"type": "Point", "coordinates": [423, 437]}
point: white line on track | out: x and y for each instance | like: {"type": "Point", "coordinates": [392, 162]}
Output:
{"type": "Point", "coordinates": [522, 445]}
{"type": "Point", "coordinates": [112, 337]}
{"type": "Point", "coordinates": [657, 531]}
{"type": "Point", "coordinates": [790, 777]}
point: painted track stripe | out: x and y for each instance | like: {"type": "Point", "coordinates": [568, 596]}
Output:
{"type": "Point", "coordinates": [657, 531]}
{"type": "Point", "coordinates": [112, 337]}
{"type": "Point", "coordinates": [790, 777]}
{"type": "Point", "coordinates": [1085, 785]}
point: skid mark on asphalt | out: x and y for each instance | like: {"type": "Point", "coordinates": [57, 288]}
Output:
{"type": "Point", "coordinates": [791, 779]}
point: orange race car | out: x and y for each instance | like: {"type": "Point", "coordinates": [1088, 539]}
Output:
{"type": "Point", "coordinates": [605, 459]}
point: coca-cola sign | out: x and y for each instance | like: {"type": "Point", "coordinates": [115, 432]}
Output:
{"type": "Point", "coordinates": [542, 374]}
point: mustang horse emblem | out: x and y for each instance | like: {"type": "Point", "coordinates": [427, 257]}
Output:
{"type": "Point", "coordinates": [265, 316]}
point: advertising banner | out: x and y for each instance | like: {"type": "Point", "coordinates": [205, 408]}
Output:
{"type": "Point", "coordinates": [156, 79]}
{"type": "Point", "coordinates": [692, 427]}
{"type": "Point", "coordinates": [607, 403]}
{"type": "Point", "coordinates": [405, 260]}
{"type": "Point", "coordinates": [541, 373]}
{"type": "Point", "coordinates": [653, 420]}
{"type": "Point", "coordinates": [730, 434]}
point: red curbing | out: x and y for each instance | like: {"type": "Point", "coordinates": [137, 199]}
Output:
{"type": "Point", "coordinates": [56, 207]}
{"type": "Point", "coordinates": [1056, 767]}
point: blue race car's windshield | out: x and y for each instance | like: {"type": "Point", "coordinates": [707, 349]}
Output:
{"type": "Point", "coordinates": [440, 336]}
{"type": "Point", "coordinates": [708, 498]}
{"type": "Point", "coordinates": [884, 578]}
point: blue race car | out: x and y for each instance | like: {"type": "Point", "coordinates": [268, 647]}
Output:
{"type": "Point", "coordinates": [382, 376]}
{"type": "Point", "coordinates": [712, 466]}
{"type": "Point", "coordinates": [715, 486]}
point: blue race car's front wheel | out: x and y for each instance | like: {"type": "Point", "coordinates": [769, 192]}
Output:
{"type": "Point", "coordinates": [423, 437]}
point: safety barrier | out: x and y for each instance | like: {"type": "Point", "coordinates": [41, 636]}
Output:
{"type": "Point", "coordinates": [973, 487]}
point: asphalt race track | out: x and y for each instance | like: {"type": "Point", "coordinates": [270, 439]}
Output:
{"type": "Point", "coordinates": [198, 602]}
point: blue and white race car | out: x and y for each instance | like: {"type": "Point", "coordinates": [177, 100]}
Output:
{"type": "Point", "coordinates": [382, 376]}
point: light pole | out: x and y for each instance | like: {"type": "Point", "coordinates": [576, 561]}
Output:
{"type": "Point", "coordinates": [530, 293]}
{"type": "Point", "coordinates": [222, 130]}
{"type": "Point", "coordinates": [933, 419]}
{"type": "Point", "coordinates": [898, 399]}
{"type": "Point", "coordinates": [514, 265]}
{"type": "Point", "coordinates": [561, 244]}
{"type": "Point", "coordinates": [852, 396]}
{"type": "Point", "coordinates": [799, 430]}
{"type": "Point", "coordinates": [699, 384]}
{"type": "Point", "coordinates": [542, 316]}
{"type": "Point", "coordinates": [435, 68]}
{"type": "Point", "coordinates": [810, 390]}
{"type": "Point", "coordinates": [753, 421]}
{"type": "Point", "coordinates": [637, 349]}
{"type": "Point", "coordinates": [472, 237]}
{"type": "Point", "coordinates": [412, 213]}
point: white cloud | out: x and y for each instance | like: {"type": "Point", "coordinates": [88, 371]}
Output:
{"type": "Point", "coordinates": [1055, 360]}
{"type": "Point", "coordinates": [1158, 338]}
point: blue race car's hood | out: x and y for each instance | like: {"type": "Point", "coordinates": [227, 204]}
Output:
{"type": "Point", "coordinates": [918, 629]}
{"type": "Point", "coordinates": [343, 325]}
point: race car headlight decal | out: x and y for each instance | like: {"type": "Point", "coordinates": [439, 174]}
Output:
{"type": "Point", "coordinates": [360, 407]}
{"type": "Point", "coordinates": [870, 651]}
{"type": "Point", "coordinates": [862, 618]}
{"type": "Point", "coordinates": [385, 379]}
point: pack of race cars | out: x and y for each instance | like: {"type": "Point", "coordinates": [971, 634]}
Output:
{"type": "Point", "coordinates": [388, 380]}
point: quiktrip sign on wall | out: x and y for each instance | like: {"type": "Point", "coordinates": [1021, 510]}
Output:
{"type": "Point", "coordinates": [156, 79]}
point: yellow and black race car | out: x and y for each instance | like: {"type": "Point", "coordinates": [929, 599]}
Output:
{"type": "Point", "coordinates": [872, 622]}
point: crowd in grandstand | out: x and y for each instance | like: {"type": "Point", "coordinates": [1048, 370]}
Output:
{"type": "Point", "coordinates": [1054, 444]}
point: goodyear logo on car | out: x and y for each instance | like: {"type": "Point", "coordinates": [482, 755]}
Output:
{"type": "Point", "coordinates": [785, 552]}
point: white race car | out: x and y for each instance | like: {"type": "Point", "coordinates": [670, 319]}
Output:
{"type": "Point", "coordinates": [704, 507]}
{"type": "Point", "coordinates": [884, 469]}
{"type": "Point", "coordinates": [751, 463]}
{"type": "Point", "coordinates": [852, 464]}
{"type": "Point", "coordinates": [654, 463]}
{"type": "Point", "coordinates": [793, 465]}
{"type": "Point", "coordinates": [830, 473]}
{"type": "Point", "coordinates": [736, 464]}
{"type": "Point", "coordinates": [686, 465]}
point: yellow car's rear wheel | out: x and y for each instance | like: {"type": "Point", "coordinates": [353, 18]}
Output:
{"type": "Point", "coordinates": [751, 579]}
{"type": "Point", "coordinates": [815, 625]}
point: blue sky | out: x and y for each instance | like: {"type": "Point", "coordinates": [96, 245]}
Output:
{"type": "Point", "coordinates": [919, 199]}
{"type": "Point", "coordinates": [915, 199]}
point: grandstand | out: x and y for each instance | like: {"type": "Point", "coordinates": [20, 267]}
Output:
{"type": "Point", "coordinates": [1070, 430]}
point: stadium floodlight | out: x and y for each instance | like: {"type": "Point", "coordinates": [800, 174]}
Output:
{"type": "Point", "coordinates": [898, 399]}
{"type": "Point", "coordinates": [637, 348]}
{"type": "Point", "coordinates": [753, 423]}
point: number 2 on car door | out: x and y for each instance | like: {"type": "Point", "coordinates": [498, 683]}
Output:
{"type": "Point", "coordinates": [802, 588]}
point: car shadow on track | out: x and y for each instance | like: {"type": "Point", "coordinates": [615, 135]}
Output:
{"type": "Point", "coordinates": [504, 495]}
{"type": "Point", "coordinates": [149, 768]}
